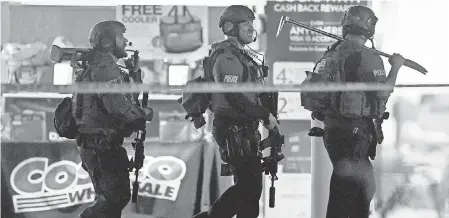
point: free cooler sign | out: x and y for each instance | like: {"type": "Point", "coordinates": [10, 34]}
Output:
{"type": "Point", "coordinates": [41, 186]}
{"type": "Point", "coordinates": [161, 31]}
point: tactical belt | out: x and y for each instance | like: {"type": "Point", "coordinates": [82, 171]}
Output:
{"type": "Point", "coordinates": [99, 141]}
{"type": "Point", "coordinates": [226, 120]}
{"type": "Point", "coordinates": [347, 122]}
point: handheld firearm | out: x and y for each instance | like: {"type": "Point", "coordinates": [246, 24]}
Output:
{"type": "Point", "coordinates": [136, 162]}
{"type": "Point", "coordinates": [275, 141]}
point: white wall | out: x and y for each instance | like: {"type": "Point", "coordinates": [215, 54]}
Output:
{"type": "Point", "coordinates": [418, 30]}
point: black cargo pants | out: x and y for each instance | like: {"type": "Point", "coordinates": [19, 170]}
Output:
{"type": "Point", "coordinates": [352, 184]}
{"type": "Point", "coordinates": [239, 146]}
{"type": "Point", "coordinates": [108, 170]}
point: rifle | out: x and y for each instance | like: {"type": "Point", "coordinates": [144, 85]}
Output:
{"type": "Point", "coordinates": [275, 141]}
{"type": "Point", "coordinates": [136, 162]}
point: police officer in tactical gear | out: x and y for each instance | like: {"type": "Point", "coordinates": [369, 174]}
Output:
{"type": "Point", "coordinates": [104, 119]}
{"type": "Point", "coordinates": [351, 131]}
{"type": "Point", "coordinates": [237, 115]}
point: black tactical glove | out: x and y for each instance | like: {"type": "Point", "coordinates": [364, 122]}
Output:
{"type": "Point", "coordinates": [135, 125]}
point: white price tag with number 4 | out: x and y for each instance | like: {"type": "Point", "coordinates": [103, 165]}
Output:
{"type": "Point", "coordinates": [289, 107]}
{"type": "Point", "coordinates": [290, 73]}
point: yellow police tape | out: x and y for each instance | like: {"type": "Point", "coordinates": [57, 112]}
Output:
{"type": "Point", "coordinates": [201, 88]}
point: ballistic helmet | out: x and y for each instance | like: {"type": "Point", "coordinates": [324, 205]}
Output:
{"type": "Point", "coordinates": [359, 20]}
{"type": "Point", "coordinates": [102, 35]}
{"type": "Point", "coordinates": [233, 15]}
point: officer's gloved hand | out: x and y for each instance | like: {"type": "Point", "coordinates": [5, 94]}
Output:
{"type": "Point", "coordinates": [316, 132]}
{"type": "Point", "coordinates": [379, 132]}
{"type": "Point", "coordinates": [132, 63]}
{"type": "Point", "coordinates": [148, 113]}
{"type": "Point", "coordinates": [318, 116]}
{"type": "Point", "coordinates": [136, 125]}
{"type": "Point", "coordinates": [199, 121]}
{"type": "Point", "coordinates": [396, 60]}
{"type": "Point", "coordinates": [272, 123]}
{"type": "Point", "coordinates": [380, 137]}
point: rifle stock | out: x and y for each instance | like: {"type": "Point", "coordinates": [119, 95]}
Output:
{"type": "Point", "coordinates": [59, 54]}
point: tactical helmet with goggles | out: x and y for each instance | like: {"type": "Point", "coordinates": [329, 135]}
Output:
{"type": "Point", "coordinates": [232, 16]}
{"type": "Point", "coordinates": [359, 20]}
{"type": "Point", "coordinates": [102, 35]}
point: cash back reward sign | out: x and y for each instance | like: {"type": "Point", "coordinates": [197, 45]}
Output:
{"type": "Point", "coordinates": [162, 31]}
{"type": "Point", "coordinates": [296, 43]}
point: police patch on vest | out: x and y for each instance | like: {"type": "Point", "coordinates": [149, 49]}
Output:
{"type": "Point", "coordinates": [379, 73]}
{"type": "Point", "coordinates": [118, 81]}
{"type": "Point", "coordinates": [320, 65]}
{"type": "Point", "coordinates": [230, 79]}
